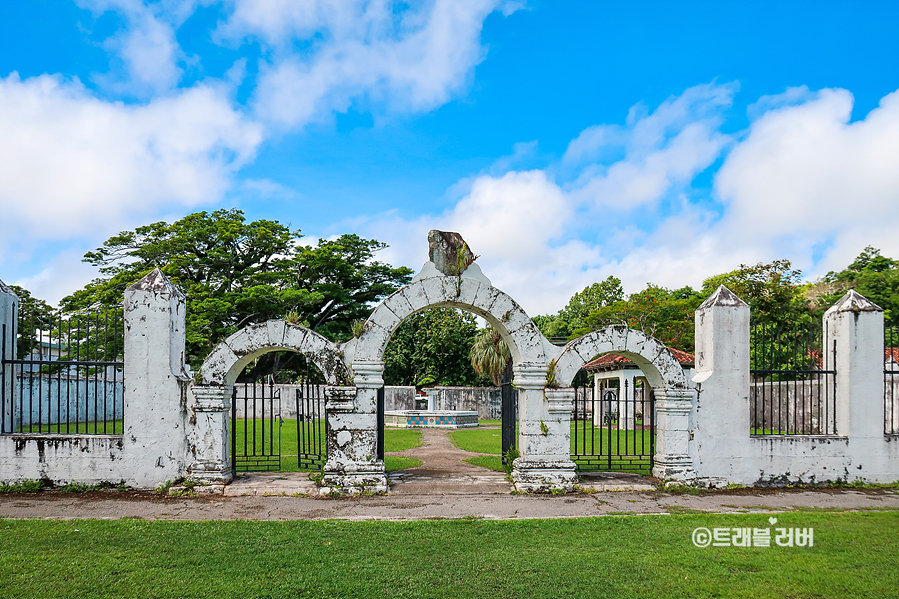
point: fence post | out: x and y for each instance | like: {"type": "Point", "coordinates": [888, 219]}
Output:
{"type": "Point", "coordinates": [155, 381]}
{"type": "Point", "coordinates": [720, 428]}
{"type": "Point", "coordinates": [9, 316]}
{"type": "Point", "coordinates": [854, 332]}
{"type": "Point", "coordinates": [544, 435]}
{"type": "Point", "coordinates": [210, 436]}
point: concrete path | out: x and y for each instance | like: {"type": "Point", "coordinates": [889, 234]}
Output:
{"type": "Point", "coordinates": [114, 505]}
{"type": "Point", "coordinates": [443, 472]}
{"type": "Point", "coordinates": [442, 487]}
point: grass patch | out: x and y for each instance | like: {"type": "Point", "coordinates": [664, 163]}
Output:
{"type": "Point", "coordinates": [400, 439]}
{"type": "Point", "coordinates": [491, 462]}
{"type": "Point", "coordinates": [398, 462]}
{"type": "Point", "coordinates": [25, 486]}
{"type": "Point", "coordinates": [645, 557]}
{"type": "Point", "coordinates": [266, 439]}
{"type": "Point", "coordinates": [479, 440]}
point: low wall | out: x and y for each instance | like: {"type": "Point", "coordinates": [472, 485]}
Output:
{"type": "Point", "coordinates": [805, 407]}
{"type": "Point", "coordinates": [486, 401]}
{"type": "Point", "coordinates": [90, 459]}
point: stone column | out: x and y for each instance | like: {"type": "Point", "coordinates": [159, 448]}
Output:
{"type": "Point", "coordinates": [9, 315]}
{"type": "Point", "coordinates": [155, 382]}
{"type": "Point", "coordinates": [211, 435]}
{"type": "Point", "coordinates": [544, 434]}
{"type": "Point", "coordinates": [854, 348]}
{"type": "Point", "coordinates": [672, 459]}
{"type": "Point", "coordinates": [721, 443]}
{"type": "Point", "coordinates": [353, 465]}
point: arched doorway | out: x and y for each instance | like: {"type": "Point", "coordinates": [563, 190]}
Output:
{"type": "Point", "coordinates": [229, 413]}
{"type": "Point", "coordinates": [353, 463]}
{"type": "Point", "coordinates": [625, 414]}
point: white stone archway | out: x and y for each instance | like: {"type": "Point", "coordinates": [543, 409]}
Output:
{"type": "Point", "coordinates": [545, 460]}
{"type": "Point", "coordinates": [673, 391]}
{"type": "Point", "coordinates": [658, 363]}
{"type": "Point", "coordinates": [211, 402]}
{"type": "Point", "coordinates": [225, 363]}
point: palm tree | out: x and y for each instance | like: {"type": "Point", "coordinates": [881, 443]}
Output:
{"type": "Point", "coordinates": [489, 354]}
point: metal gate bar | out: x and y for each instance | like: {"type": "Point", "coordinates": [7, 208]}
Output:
{"type": "Point", "coordinates": [613, 429]}
{"type": "Point", "coordinates": [312, 426]}
{"type": "Point", "coordinates": [508, 413]}
{"type": "Point", "coordinates": [257, 452]}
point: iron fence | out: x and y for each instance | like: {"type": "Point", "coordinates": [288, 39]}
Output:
{"type": "Point", "coordinates": [891, 381]}
{"type": "Point", "coordinates": [613, 428]}
{"type": "Point", "coordinates": [312, 426]}
{"type": "Point", "coordinates": [63, 373]}
{"type": "Point", "coordinates": [256, 427]}
{"type": "Point", "coordinates": [793, 381]}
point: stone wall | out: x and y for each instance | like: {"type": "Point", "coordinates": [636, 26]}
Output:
{"type": "Point", "coordinates": [486, 401]}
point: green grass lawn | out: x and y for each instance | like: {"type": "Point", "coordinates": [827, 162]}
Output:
{"type": "Point", "coordinates": [395, 439]}
{"type": "Point", "coordinates": [644, 557]}
{"type": "Point", "coordinates": [487, 440]}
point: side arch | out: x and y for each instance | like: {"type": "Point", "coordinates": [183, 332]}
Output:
{"type": "Point", "coordinates": [657, 362]}
{"type": "Point", "coordinates": [526, 343]}
{"type": "Point", "coordinates": [225, 363]}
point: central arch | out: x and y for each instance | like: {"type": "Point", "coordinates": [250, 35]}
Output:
{"type": "Point", "coordinates": [352, 447]}
{"type": "Point", "coordinates": [526, 344]}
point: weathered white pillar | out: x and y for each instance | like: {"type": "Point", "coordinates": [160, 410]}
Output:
{"type": "Point", "coordinates": [672, 460]}
{"type": "Point", "coordinates": [155, 382]}
{"type": "Point", "coordinates": [9, 314]}
{"type": "Point", "coordinates": [544, 433]}
{"type": "Point", "coordinates": [854, 348]}
{"type": "Point", "coordinates": [720, 431]}
{"type": "Point", "coordinates": [353, 465]}
{"type": "Point", "coordinates": [210, 437]}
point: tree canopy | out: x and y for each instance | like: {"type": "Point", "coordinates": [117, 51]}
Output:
{"type": "Point", "coordinates": [773, 292]}
{"type": "Point", "coordinates": [236, 273]}
{"type": "Point", "coordinates": [433, 347]}
{"type": "Point", "coordinates": [873, 275]}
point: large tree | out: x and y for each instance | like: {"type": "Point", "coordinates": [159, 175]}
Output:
{"type": "Point", "coordinates": [573, 317]}
{"type": "Point", "coordinates": [772, 291]}
{"type": "Point", "coordinates": [871, 274]}
{"type": "Point", "coordinates": [666, 315]}
{"type": "Point", "coordinates": [236, 273]}
{"type": "Point", "coordinates": [433, 347]}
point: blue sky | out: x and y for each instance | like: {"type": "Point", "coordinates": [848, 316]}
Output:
{"type": "Point", "coordinates": [566, 141]}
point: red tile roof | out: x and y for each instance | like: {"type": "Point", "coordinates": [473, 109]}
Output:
{"type": "Point", "coordinates": [610, 361]}
{"type": "Point", "coordinates": [891, 352]}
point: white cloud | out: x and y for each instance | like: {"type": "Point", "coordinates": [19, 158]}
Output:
{"type": "Point", "coordinates": [801, 181]}
{"type": "Point", "coordinates": [59, 277]}
{"type": "Point", "coordinates": [411, 60]}
{"type": "Point", "coordinates": [146, 45]}
{"type": "Point", "coordinates": [806, 175]}
{"type": "Point", "coordinates": [73, 165]}
{"type": "Point", "coordinates": [660, 151]}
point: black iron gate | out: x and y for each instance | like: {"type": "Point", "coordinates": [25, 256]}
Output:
{"type": "Point", "coordinates": [312, 427]}
{"type": "Point", "coordinates": [62, 373]}
{"type": "Point", "coordinates": [509, 414]}
{"type": "Point", "coordinates": [613, 428]}
{"type": "Point", "coordinates": [262, 429]}
{"type": "Point", "coordinates": [256, 428]}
